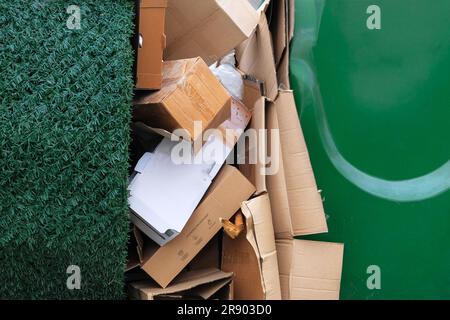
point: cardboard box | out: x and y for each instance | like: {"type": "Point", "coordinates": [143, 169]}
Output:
{"type": "Point", "coordinates": [190, 92]}
{"type": "Point", "coordinates": [256, 58]}
{"type": "Point", "coordinates": [202, 284]}
{"type": "Point", "coordinates": [252, 257]}
{"type": "Point", "coordinates": [164, 193]}
{"type": "Point", "coordinates": [310, 270]}
{"type": "Point", "coordinates": [296, 203]}
{"type": "Point", "coordinates": [149, 43]}
{"type": "Point", "coordinates": [223, 199]}
{"type": "Point", "coordinates": [207, 28]}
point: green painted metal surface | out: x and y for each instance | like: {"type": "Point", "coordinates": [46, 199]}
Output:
{"type": "Point", "coordinates": [375, 108]}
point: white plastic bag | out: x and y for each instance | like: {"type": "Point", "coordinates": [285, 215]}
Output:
{"type": "Point", "coordinates": [229, 76]}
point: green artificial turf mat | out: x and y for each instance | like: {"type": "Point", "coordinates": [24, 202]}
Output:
{"type": "Point", "coordinates": [65, 99]}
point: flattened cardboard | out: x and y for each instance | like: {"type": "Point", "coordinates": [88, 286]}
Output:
{"type": "Point", "coordinates": [190, 92]}
{"type": "Point", "coordinates": [283, 67]}
{"type": "Point", "coordinates": [252, 162]}
{"type": "Point", "coordinates": [198, 284]}
{"type": "Point", "coordinates": [255, 58]}
{"type": "Point", "coordinates": [278, 27]}
{"type": "Point", "coordinates": [150, 43]}
{"type": "Point", "coordinates": [310, 270]}
{"type": "Point", "coordinates": [224, 197]}
{"type": "Point", "coordinates": [296, 203]}
{"type": "Point", "coordinates": [208, 28]}
{"type": "Point", "coordinates": [252, 257]}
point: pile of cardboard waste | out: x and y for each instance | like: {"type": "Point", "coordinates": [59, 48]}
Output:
{"type": "Point", "coordinates": [222, 181]}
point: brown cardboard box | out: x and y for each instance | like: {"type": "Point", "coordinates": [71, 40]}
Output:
{"type": "Point", "coordinates": [223, 199]}
{"type": "Point", "coordinates": [199, 285]}
{"type": "Point", "coordinates": [310, 270]}
{"type": "Point", "coordinates": [256, 58]}
{"type": "Point", "coordinates": [252, 257]}
{"type": "Point", "coordinates": [150, 42]}
{"type": "Point", "coordinates": [189, 93]}
{"type": "Point", "coordinates": [207, 28]}
{"type": "Point", "coordinates": [296, 203]}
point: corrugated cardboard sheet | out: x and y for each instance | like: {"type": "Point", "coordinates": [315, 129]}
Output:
{"type": "Point", "coordinates": [296, 203]}
{"type": "Point", "coordinates": [255, 58]}
{"type": "Point", "coordinates": [310, 270]}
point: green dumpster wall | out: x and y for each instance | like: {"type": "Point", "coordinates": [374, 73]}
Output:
{"type": "Point", "coordinates": [375, 108]}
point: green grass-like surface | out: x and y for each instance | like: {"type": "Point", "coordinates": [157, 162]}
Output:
{"type": "Point", "coordinates": [65, 100]}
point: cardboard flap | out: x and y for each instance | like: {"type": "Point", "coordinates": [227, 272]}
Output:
{"type": "Point", "coordinates": [242, 14]}
{"type": "Point", "coordinates": [252, 256]}
{"type": "Point", "coordinates": [311, 270]}
{"type": "Point", "coordinates": [260, 234]}
{"type": "Point", "coordinates": [255, 58]}
{"type": "Point", "coordinates": [207, 28]}
{"type": "Point", "coordinates": [186, 281]}
{"type": "Point", "coordinates": [297, 204]}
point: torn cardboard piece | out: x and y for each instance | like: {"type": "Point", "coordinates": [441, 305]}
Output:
{"type": "Point", "coordinates": [255, 58]}
{"type": "Point", "coordinates": [223, 199]}
{"type": "Point", "coordinates": [165, 191]}
{"type": "Point", "coordinates": [252, 256]}
{"type": "Point", "coordinates": [310, 270]}
{"type": "Point", "coordinates": [208, 28]}
{"type": "Point", "coordinates": [149, 42]}
{"type": "Point", "coordinates": [296, 203]}
{"type": "Point", "coordinates": [190, 285]}
{"type": "Point", "coordinates": [191, 98]}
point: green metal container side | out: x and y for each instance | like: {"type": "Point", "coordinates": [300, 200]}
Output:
{"type": "Point", "coordinates": [375, 109]}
